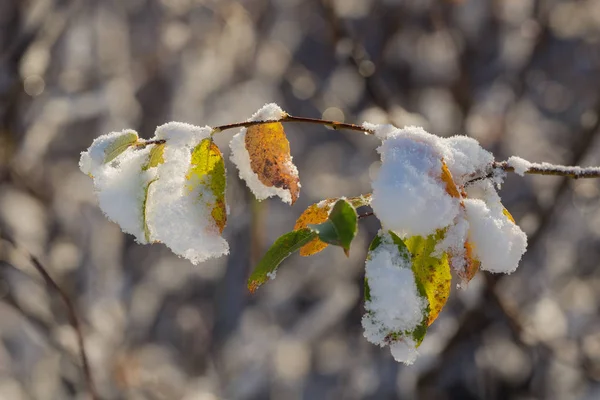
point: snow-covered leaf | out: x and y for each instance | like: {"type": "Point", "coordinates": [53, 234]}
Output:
{"type": "Point", "coordinates": [119, 145]}
{"type": "Point", "coordinates": [432, 272]}
{"type": "Point", "coordinates": [283, 247]}
{"type": "Point", "coordinates": [270, 157]}
{"type": "Point", "coordinates": [155, 158]}
{"type": "Point", "coordinates": [208, 170]}
{"type": "Point", "coordinates": [396, 305]}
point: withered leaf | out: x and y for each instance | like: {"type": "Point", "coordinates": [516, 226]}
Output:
{"type": "Point", "coordinates": [270, 157]}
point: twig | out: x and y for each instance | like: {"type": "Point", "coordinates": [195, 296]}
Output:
{"type": "Point", "coordinates": [534, 169]}
{"type": "Point", "coordinates": [72, 315]}
{"type": "Point", "coordinates": [365, 215]}
{"type": "Point", "coordinates": [74, 322]}
{"type": "Point", "coordinates": [290, 118]}
{"type": "Point", "coordinates": [552, 169]}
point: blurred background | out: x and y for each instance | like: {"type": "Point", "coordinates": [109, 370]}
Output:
{"type": "Point", "coordinates": [520, 76]}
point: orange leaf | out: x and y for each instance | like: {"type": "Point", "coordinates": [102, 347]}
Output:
{"type": "Point", "coordinates": [471, 263]}
{"type": "Point", "coordinates": [446, 177]}
{"type": "Point", "coordinates": [314, 214]}
{"type": "Point", "coordinates": [270, 157]}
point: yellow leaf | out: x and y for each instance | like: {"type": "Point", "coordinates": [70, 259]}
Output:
{"type": "Point", "coordinates": [207, 172]}
{"type": "Point", "coordinates": [508, 215]}
{"type": "Point", "coordinates": [154, 160]}
{"type": "Point", "coordinates": [432, 274]}
{"type": "Point", "coordinates": [316, 214]}
{"type": "Point", "coordinates": [270, 157]}
{"type": "Point", "coordinates": [122, 143]}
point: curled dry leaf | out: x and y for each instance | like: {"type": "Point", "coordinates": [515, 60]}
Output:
{"type": "Point", "coordinates": [270, 157]}
{"type": "Point", "coordinates": [207, 172]}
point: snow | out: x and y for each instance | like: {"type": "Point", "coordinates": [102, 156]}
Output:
{"type": "Point", "coordinates": [410, 198]}
{"type": "Point", "coordinates": [395, 305]}
{"type": "Point", "coordinates": [498, 243]}
{"type": "Point", "coordinates": [465, 158]}
{"type": "Point", "coordinates": [404, 350]}
{"type": "Point", "coordinates": [408, 194]}
{"type": "Point", "coordinates": [177, 217]}
{"type": "Point", "coordinates": [520, 165]}
{"type": "Point", "coordinates": [241, 158]}
{"type": "Point", "coordinates": [268, 112]}
{"type": "Point", "coordinates": [454, 242]}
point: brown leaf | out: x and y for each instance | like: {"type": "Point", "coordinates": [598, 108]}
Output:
{"type": "Point", "coordinates": [270, 157]}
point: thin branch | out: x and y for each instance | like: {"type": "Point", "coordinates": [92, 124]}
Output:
{"type": "Point", "coordinates": [365, 215]}
{"type": "Point", "coordinates": [534, 168]}
{"type": "Point", "coordinates": [551, 169]}
{"type": "Point", "coordinates": [290, 118]}
{"type": "Point", "coordinates": [74, 322]}
{"type": "Point", "coordinates": [72, 315]}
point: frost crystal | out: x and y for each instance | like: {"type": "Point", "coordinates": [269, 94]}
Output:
{"type": "Point", "coordinates": [395, 305]}
{"type": "Point", "coordinates": [241, 158]}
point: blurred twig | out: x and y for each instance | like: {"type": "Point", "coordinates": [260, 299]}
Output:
{"type": "Point", "coordinates": [72, 316]}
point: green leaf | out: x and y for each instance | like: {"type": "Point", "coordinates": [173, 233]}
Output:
{"type": "Point", "coordinates": [432, 272]}
{"type": "Point", "coordinates": [340, 227]}
{"type": "Point", "coordinates": [121, 143]}
{"type": "Point", "coordinates": [279, 251]}
{"type": "Point", "coordinates": [318, 213]}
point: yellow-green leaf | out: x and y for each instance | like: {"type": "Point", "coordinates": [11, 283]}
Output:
{"type": "Point", "coordinates": [270, 157]}
{"type": "Point", "coordinates": [122, 143]}
{"type": "Point", "coordinates": [207, 173]}
{"type": "Point", "coordinates": [432, 273]}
